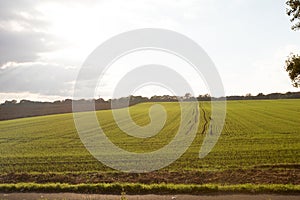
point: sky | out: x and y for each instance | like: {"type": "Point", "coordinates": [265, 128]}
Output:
{"type": "Point", "coordinates": [43, 44]}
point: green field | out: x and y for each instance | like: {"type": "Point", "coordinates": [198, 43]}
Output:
{"type": "Point", "coordinates": [262, 135]}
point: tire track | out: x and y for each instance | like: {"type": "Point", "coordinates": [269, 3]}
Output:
{"type": "Point", "coordinates": [192, 125]}
{"type": "Point", "coordinates": [205, 119]}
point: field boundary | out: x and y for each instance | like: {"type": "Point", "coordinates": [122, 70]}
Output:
{"type": "Point", "coordinates": [137, 188]}
{"type": "Point", "coordinates": [225, 177]}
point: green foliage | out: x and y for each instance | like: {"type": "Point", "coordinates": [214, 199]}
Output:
{"type": "Point", "coordinates": [138, 188]}
{"type": "Point", "coordinates": [294, 12]}
{"type": "Point", "coordinates": [293, 68]}
{"type": "Point", "coordinates": [256, 133]}
{"type": "Point", "coordinates": [123, 195]}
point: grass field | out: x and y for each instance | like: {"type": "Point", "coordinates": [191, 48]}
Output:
{"type": "Point", "coordinates": [262, 137]}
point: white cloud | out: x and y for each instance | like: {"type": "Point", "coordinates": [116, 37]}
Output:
{"type": "Point", "coordinates": [37, 78]}
{"type": "Point", "coordinates": [239, 35]}
{"type": "Point", "coordinates": [269, 74]}
{"type": "Point", "coordinates": [8, 96]}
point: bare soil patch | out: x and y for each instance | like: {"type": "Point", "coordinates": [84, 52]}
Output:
{"type": "Point", "coordinates": [240, 176]}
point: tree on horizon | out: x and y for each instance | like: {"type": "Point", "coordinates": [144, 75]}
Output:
{"type": "Point", "coordinates": [293, 61]}
{"type": "Point", "coordinates": [294, 12]}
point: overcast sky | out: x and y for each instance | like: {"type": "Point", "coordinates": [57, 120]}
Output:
{"type": "Point", "coordinates": [44, 43]}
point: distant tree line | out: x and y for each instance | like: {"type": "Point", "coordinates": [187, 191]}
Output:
{"type": "Point", "coordinates": [26, 108]}
{"type": "Point", "coordinates": [288, 95]}
{"type": "Point", "coordinates": [164, 98]}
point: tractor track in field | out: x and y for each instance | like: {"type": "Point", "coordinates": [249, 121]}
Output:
{"type": "Point", "coordinates": [205, 119]}
{"type": "Point", "coordinates": [193, 124]}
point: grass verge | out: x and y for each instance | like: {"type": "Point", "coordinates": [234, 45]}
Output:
{"type": "Point", "coordinates": [137, 188]}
